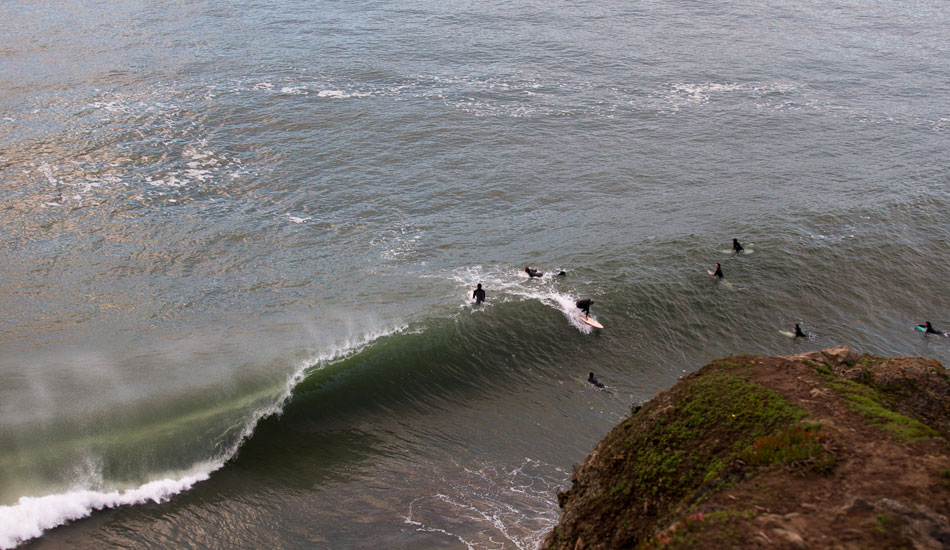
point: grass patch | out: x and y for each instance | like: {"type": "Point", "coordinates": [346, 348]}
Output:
{"type": "Point", "coordinates": [883, 523]}
{"type": "Point", "coordinates": [687, 445]}
{"type": "Point", "coordinates": [700, 530]}
{"type": "Point", "coordinates": [821, 368]}
{"type": "Point", "coordinates": [945, 478]}
{"type": "Point", "coordinates": [731, 363]}
{"type": "Point", "coordinates": [873, 405]}
{"type": "Point", "coordinates": [800, 445]}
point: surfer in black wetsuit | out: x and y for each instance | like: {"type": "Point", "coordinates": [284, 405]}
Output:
{"type": "Point", "coordinates": [928, 329]}
{"type": "Point", "coordinates": [532, 272]}
{"type": "Point", "coordinates": [479, 294]}
{"type": "Point", "coordinates": [584, 305]}
{"type": "Point", "coordinates": [594, 381]}
{"type": "Point", "coordinates": [718, 272]}
{"type": "Point", "coordinates": [736, 247]}
{"type": "Point", "coordinates": [799, 333]}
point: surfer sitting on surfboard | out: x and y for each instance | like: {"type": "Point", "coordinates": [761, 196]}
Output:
{"type": "Point", "coordinates": [584, 305]}
{"type": "Point", "coordinates": [799, 333]}
{"type": "Point", "coordinates": [736, 247]}
{"type": "Point", "coordinates": [479, 294]}
{"type": "Point", "coordinates": [532, 272]}
{"type": "Point", "coordinates": [928, 329]}
{"type": "Point", "coordinates": [718, 272]}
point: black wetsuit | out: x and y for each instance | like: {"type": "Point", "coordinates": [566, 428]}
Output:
{"type": "Point", "coordinates": [736, 247]}
{"type": "Point", "coordinates": [718, 272]}
{"type": "Point", "coordinates": [479, 295]}
{"type": "Point", "coordinates": [584, 305]}
{"type": "Point", "coordinates": [533, 272]}
{"type": "Point", "coordinates": [930, 329]}
{"type": "Point", "coordinates": [594, 381]}
{"type": "Point", "coordinates": [799, 333]}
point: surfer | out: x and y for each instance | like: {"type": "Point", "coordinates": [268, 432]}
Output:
{"type": "Point", "coordinates": [799, 333]}
{"type": "Point", "coordinates": [584, 305]}
{"type": "Point", "coordinates": [718, 272]}
{"type": "Point", "coordinates": [479, 294]}
{"type": "Point", "coordinates": [736, 247]}
{"type": "Point", "coordinates": [562, 273]}
{"type": "Point", "coordinates": [600, 385]}
{"type": "Point", "coordinates": [532, 272]}
{"type": "Point", "coordinates": [928, 329]}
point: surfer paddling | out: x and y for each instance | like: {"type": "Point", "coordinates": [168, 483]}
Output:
{"type": "Point", "coordinates": [596, 382]}
{"type": "Point", "coordinates": [533, 272]}
{"type": "Point", "coordinates": [600, 385]}
{"type": "Point", "coordinates": [479, 294]}
{"type": "Point", "coordinates": [736, 247]}
{"type": "Point", "coordinates": [927, 328]}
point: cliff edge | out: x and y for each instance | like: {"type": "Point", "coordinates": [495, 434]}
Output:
{"type": "Point", "coordinates": [826, 449]}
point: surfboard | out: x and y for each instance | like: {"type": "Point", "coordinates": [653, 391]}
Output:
{"type": "Point", "coordinates": [589, 321]}
{"type": "Point", "coordinates": [788, 333]}
{"type": "Point", "coordinates": [920, 328]}
{"type": "Point", "coordinates": [710, 271]}
{"type": "Point", "coordinates": [744, 252]}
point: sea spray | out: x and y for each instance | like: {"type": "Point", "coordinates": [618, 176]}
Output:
{"type": "Point", "coordinates": [31, 516]}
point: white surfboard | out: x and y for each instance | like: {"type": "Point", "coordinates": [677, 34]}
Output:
{"type": "Point", "coordinates": [589, 321]}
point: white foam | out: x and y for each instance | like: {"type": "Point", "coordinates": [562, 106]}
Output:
{"type": "Point", "coordinates": [504, 283]}
{"type": "Point", "coordinates": [398, 243]}
{"type": "Point", "coordinates": [692, 94]}
{"type": "Point", "coordinates": [31, 516]}
{"type": "Point", "coordinates": [496, 507]}
{"type": "Point", "coordinates": [340, 94]}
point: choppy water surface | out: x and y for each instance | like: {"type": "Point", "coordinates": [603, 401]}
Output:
{"type": "Point", "coordinates": [239, 243]}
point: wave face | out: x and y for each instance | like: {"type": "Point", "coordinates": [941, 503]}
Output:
{"type": "Point", "coordinates": [239, 247]}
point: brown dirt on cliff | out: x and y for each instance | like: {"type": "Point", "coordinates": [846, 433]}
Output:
{"type": "Point", "coordinates": [889, 486]}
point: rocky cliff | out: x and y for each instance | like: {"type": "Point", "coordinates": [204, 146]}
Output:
{"type": "Point", "coordinates": [821, 450]}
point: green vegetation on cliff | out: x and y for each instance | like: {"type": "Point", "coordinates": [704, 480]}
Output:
{"type": "Point", "coordinates": [759, 451]}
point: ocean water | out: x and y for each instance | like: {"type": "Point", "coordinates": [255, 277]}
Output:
{"type": "Point", "coordinates": [239, 242]}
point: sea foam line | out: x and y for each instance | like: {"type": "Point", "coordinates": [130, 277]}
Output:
{"type": "Point", "coordinates": [31, 516]}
